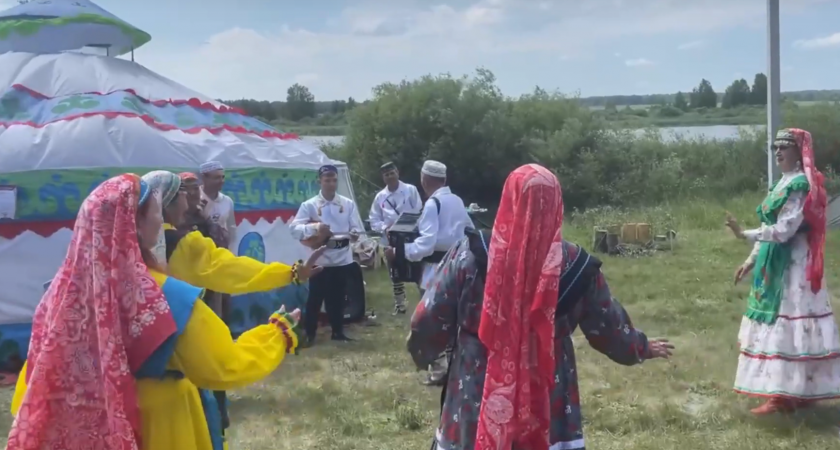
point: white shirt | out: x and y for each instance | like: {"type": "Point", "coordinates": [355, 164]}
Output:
{"type": "Point", "coordinates": [221, 212]}
{"type": "Point", "coordinates": [388, 205]}
{"type": "Point", "coordinates": [787, 224]}
{"type": "Point", "coordinates": [439, 232]}
{"type": "Point", "coordinates": [339, 213]}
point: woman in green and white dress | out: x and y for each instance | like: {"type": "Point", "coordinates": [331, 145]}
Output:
{"type": "Point", "coordinates": [790, 348]}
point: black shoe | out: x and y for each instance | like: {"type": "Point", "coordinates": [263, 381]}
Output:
{"type": "Point", "coordinates": [341, 337]}
{"type": "Point", "coordinates": [308, 341]}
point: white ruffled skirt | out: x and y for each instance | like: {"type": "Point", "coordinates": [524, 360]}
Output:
{"type": "Point", "coordinates": [798, 357]}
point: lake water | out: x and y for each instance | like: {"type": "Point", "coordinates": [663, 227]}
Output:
{"type": "Point", "coordinates": [709, 132]}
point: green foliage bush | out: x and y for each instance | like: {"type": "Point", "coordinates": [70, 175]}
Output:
{"type": "Point", "coordinates": [481, 135]}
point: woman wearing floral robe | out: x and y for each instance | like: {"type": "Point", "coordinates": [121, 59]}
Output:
{"type": "Point", "coordinates": [790, 348]}
{"type": "Point", "coordinates": [539, 289]}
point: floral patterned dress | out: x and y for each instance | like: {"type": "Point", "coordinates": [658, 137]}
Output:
{"type": "Point", "coordinates": [796, 355]}
{"type": "Point", "coordinates": [449, 314]}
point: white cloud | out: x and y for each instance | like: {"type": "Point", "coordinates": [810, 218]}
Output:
{"type": "Point", "coordinates": [640, 62]}
{"type": "Point", "coordinates": [832, 40]}
{"type": "Point", "coordinates": [691, 45]}
{"type": "Point", "coordinates": [376, 41]}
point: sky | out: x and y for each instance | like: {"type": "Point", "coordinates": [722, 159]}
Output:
{"type": "Point", "coordinates": [233, 49]}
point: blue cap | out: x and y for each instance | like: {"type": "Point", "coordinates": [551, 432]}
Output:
{"type": "Point", "coordinates": [329, 168]}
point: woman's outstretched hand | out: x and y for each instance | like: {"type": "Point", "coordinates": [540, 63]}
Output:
{"type": "Point", "coordinates": [660, 348]}
{"type": "Point", "coordinates": [309, 269]}
{"type": "Point", "coordinates": [293, 319]}
{"type": "Point", "coordinates": [732, 224]}
{"type": "Point", "coordinates": [742, 271]}
{"type": "Point", "coordinates": [294, 315]}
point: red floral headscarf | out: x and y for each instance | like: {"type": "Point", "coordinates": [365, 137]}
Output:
{"type": "Point", "coordinates": [517, 317]}
{"type": "Point", "coordinates": [101, 318]}
{"type": "Point", "coordinates": [815, 205]}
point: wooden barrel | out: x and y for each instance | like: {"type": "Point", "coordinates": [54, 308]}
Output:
{"type": "Point", "coordinates": [628, 233]}
{"type": "Point", "coordinates": [644, 233]}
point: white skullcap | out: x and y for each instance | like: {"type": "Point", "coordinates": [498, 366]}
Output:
{"type": "Point", "coordinates": [434, 169]}
{"type": "Point", "coordinates": [211, 166]}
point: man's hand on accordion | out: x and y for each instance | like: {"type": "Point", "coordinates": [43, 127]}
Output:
{"type": "Point", "coordinates": [390, 254]}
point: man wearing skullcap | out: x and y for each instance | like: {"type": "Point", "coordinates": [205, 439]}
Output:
{"type": "Point", "coordinates": [332, 220]}
{"type": "Point", "coordinates": [396, 198]}
{"type": "Point", "coordinates": [441, 226]}
{"type": "Point", "coordinates": [218, 209]}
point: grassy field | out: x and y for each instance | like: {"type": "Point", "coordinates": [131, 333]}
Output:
{"type": "Point", "coordinates": [366, 395]}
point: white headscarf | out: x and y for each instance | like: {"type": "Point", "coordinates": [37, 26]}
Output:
{"type": "Point", "coordinates": [164, 186]}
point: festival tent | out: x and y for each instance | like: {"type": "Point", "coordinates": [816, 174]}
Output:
{"type": "Point", "coordinates": [69, 121]}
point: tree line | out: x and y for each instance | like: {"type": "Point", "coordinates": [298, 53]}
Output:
{"type": "Point", "coordinates": [826, 95]}
{"type": "Point", "coordinates": [300, 104]}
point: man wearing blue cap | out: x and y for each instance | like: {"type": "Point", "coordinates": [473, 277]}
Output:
{"type": "Point", "coordinates": [328, 219]}
{"type": "Point", "coordinates": [394, 199]}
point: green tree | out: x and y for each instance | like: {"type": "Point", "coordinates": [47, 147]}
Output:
{"type": "Point", "coordinates": [703, 96]}
{"type": "Point", "coordinates": [758, 94]}
{"type": "Point", "coordinates": [481, 135]}
{"type": "Point", "coordinates": [351, 103]}
{"type": "Point", "coordinates": [680, 103]}
{"type": "Point", "coordinates": [300, 102]}
{"type": "Point", "coordinates": [737, 94]}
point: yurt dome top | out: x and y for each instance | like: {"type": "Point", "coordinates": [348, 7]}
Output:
{"type": "Point", "coordinates": [52, 26]}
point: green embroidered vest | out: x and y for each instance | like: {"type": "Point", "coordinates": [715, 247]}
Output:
{"type": "Point", "coordinates": [773, 257]}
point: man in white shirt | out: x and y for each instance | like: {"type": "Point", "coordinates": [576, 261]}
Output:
{"type": "Point", "coordinates": [396, 198]}
{"type": "Point", "coordinates": [217, 206]}
{"type": "Point", "coordinates": [441, 226]}
{"type": "Point", "coordinates": [331, 219]}
{"type": "Point", "coordinates": [218, 209]}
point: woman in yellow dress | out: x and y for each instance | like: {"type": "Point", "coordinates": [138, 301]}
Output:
{"type": "Point", "coordinates": [194, 258]}
{"type": "Point", "coordinates": [119, 350]}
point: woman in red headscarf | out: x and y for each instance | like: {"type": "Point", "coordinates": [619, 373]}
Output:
{"type": "Point", "coordinates": [512, 383]}
{"type": "Point", "coordinates": [119, 349]}
{"type": "Point", "coordinates": [790, 347]}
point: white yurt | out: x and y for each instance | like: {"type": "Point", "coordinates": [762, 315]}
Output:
{"type": "Point", "coordinates": [70, 120]}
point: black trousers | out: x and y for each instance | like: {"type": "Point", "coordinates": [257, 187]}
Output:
{"type": "Point", "coordinates": [328, 288]}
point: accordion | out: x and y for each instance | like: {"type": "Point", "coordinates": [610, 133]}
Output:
{"type": "Point", "coordinates": [402, 232]}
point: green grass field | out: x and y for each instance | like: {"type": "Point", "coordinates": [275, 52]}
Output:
{"type": "Point", "coordinates": [366, 395]}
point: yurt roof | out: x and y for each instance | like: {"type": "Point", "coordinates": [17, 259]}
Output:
{"type": "Point", "coordinates": [73, 110]}
{"type": "Point", "coordinates": [61, 109]}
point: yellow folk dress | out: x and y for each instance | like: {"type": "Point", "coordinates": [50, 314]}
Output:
{"type": "Point", "coordinates": [204, 354]}
{"type": "Point", "coordinates": [195, 259]}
